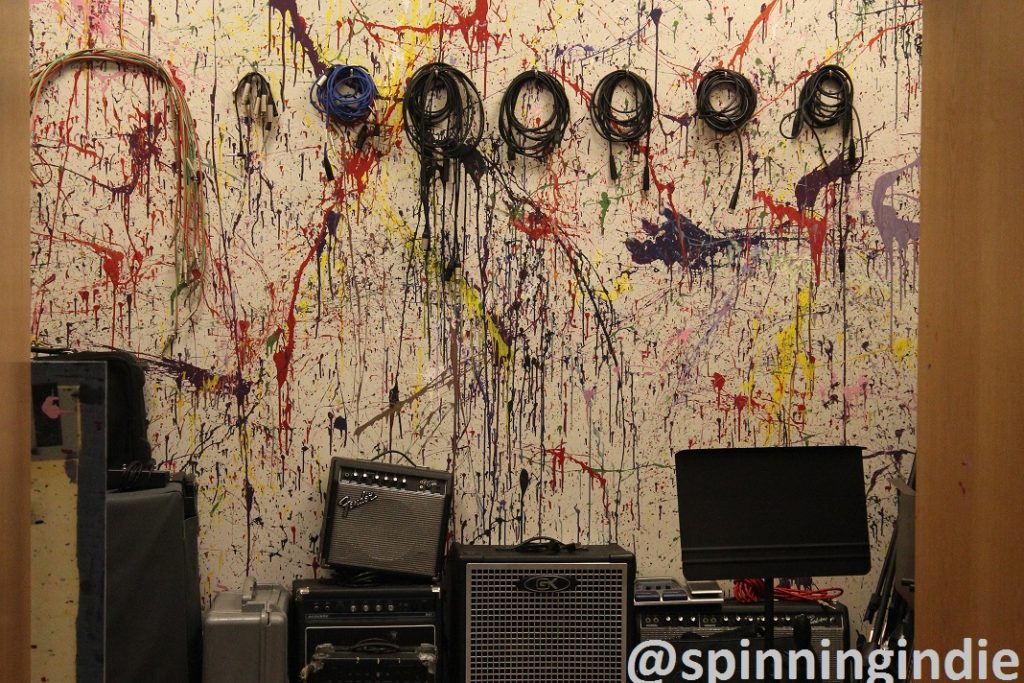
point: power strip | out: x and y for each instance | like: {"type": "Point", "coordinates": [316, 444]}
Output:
{"type": "Point", "coordinates": [665, 590]}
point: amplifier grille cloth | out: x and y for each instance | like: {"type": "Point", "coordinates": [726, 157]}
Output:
{"type": "Point", "coordinates": [399, 531]}
{"type": "Point", "coordinates": [515, 636]}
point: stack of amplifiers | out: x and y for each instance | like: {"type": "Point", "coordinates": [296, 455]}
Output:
{"type": "Point", "coordinates": [385, 517]}
{"type": "Point", "coordinates": [399, 621]}
{"type": "Point", "coordinates": [539, 616]}
{"type": "Point", "coordinates": [722, 626]}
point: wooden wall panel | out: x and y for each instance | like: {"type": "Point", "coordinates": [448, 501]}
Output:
{"type": "Point", "coordinates": [14, 341]}
{"type": "Point", "coordinates": [970, 539]}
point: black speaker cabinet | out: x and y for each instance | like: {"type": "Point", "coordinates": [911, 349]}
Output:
{"type": "Point", "coordinates": [533, 614]}
{"type": "Point", "coordinates": [383, 517]}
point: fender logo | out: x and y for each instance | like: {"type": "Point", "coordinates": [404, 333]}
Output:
{"type": "Point", "coordinates": [348, 503]}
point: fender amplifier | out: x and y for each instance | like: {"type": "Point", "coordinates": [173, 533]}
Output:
{"type": "Point", "coordinates": [539, 612]}
{"type": "Point", "coordinates": [385, 517]}
{"type": "Point", "coordinates": [726, 626]}
{"type": "Point", "coordinates": [356, 633]}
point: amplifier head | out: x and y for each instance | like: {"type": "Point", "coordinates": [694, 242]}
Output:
{"type": "Point", "coordinates": [560, 617]}
{"type": "Point", "coordinates": [397, 617]}
{"type": "Point", "coordinates": [709, 627]}
{"type": "Point", "coordinates": [385, 517]}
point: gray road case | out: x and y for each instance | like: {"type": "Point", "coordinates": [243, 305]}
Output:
{"type": "Point", "coordinates": [245, 635]}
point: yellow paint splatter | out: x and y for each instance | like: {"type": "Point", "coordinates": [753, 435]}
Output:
{"type": "Point", "coordinates": [790, 356]}
{"type": "Point", "coordinates": [903, 347]}
{"type": "Point", "coordinates": [620, 285]}
{"type": "Point", "coordinates": [470, 296]}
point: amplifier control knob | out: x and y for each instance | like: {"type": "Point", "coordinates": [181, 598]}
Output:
{"type": "Point", "coordinates": [353, 608]}
{"type": "Point", "coordinates": [403, 481]}
{"type": "Point", "coordinates": [391, 607]}
{"type": "Point", "coordinates": [379, 607]}
{"type": "Point", "coordinates": [366, 608]}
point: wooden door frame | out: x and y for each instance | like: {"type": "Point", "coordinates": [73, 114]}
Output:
{"type": "Point", "coordinates": [15, 304]}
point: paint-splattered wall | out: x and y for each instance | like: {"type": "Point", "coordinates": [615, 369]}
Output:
{"type": "Point", "coordinates": [565, 334]}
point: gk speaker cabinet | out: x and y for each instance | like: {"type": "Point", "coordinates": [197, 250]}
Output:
{"type": "Point", "coordinates": [527, 614]}
{"type": "Point", "coordinates": [385, 517]}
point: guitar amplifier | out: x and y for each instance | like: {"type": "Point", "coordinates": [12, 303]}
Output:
{"type": "Point", "coordinates": [381, 633]}
{"type": "Point", "coordinates": [385, 517]}
{"type": "Point", "coordinates": [539, 612]}
{"type": "Point", "coordinates": [723, 626]}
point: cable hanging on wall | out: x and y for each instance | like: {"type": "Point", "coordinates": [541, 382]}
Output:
{"type": "Point", "coordinates": [191, 235]}
{"type": "Point", "coordinates": [539, 140]}
{"type": "Point", "coordinates": [444, 121]}
{"type": "Point", "coordinates": [345, 95]}
{"type": "Point", "coordinates": [826, 99]}
{"type": "Point", "coordinates": [731, 115]}
{"type": "Point", "coordinates": [256, 108]}
{"type": "Point", "coordinates": [628, 123]}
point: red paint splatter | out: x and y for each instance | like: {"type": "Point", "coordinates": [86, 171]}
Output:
{"type": "Point", "coordinates": [357, 168]}
{"type": "Point", "coordinates": [174, 76]}
{"type": "Point", "coordinates": [742, 48]}
{"type": "Point", "coordinates": [718, 382]}
{"type": "Point", "coordinates": [558, 458]}
{"type": "Point", "coordinates": [787, 214]}
{"type": "Point", "coordinates": [536, 225]}
{"type": "Point", "coordinates": [283, 356]}
{"type": "Point", "coordinates": [471, 23]}
{"type": "Point", "coordinates": [112, 261]}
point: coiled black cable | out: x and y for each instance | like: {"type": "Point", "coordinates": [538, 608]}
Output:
{"type": "Point", "coordinates": [442, 111]}
{"type": "Point", "coordinates": [627, 124]}
{"type": "Point", "coordinates": [540, 140]}
{"type": "Point", "coordinates": [730, 116]}
{"type": "Point", "coordinates": [444, 121]}
{"type": "Point", "coordinates": [826, 99]}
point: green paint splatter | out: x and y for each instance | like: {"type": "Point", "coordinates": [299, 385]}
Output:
{"type": "Point", "coordinates": [272, 340]}
{"type": "Point", "coordinates": [605, 203]}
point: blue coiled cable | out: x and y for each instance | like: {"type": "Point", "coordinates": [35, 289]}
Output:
{"type": "Point", "coordinates": [345, 94]}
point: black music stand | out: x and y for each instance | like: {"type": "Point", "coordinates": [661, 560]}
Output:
{"type": "Point", "coordinates": [769, 512]}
